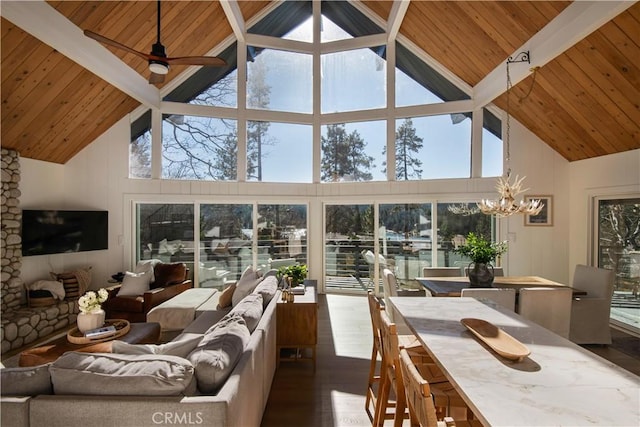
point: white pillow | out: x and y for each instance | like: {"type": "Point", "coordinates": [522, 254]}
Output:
{"type": "Point", "coordinates": [147, 265]}
{"type": "Point", "coordinates": [134, 284]}
{"type": "Point", "coordinates": [246, 284]}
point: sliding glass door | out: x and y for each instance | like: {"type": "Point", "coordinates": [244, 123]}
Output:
{"type": "Point", "coordinates": [618, 249]}
{"type": "Point", "coordinates": [348, 237]}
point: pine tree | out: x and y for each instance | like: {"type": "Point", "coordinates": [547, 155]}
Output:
{"type": "Point", "coordinates": [408, 144]}
{"type": "Point", "coordinates": [258, 96]}
{"type": "Point", "coordinates": [344, 156]}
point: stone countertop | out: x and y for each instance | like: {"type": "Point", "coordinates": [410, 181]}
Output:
{"type": "Point", "coordinates": [559, 383]}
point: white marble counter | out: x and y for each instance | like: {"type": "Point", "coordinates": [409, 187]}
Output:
{"type": "Point", "coordinates": [558, 384]}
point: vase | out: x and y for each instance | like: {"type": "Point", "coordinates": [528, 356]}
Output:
{"type": "Point", "coordinates": [89, 321]}
{"type": "Point", "coordinates": [480, 275]}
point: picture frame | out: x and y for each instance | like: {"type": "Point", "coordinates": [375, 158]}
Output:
{"type": "Point", "coordinates": [545, 217]}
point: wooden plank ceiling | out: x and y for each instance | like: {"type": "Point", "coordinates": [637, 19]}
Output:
{"type": "Point", "coordinates": [584, 103]}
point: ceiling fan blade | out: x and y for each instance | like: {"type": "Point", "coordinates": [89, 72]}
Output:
{"type": "Point", "coordinates": [210, 61]}
{"type": "Point", "coordinates": [113, 43]}
{"type": "Point", "coordinates": [156, 78]}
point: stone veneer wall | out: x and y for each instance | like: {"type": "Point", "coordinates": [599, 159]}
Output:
{"type": "Point", "coordinates": [21, 325]}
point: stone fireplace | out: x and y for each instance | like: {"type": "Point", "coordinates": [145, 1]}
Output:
{"type": "Point", "coordinates": [21, 324]}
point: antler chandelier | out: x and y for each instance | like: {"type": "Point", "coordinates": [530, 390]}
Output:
{"type": "Point", "coordinates": [506, 204]}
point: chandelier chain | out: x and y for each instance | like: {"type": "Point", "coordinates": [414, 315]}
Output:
{"type": "Point", "coordinates": [508, 139]}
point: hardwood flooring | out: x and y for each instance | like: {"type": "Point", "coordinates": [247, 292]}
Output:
{"type": "Point", "coordinates": [334, 395]}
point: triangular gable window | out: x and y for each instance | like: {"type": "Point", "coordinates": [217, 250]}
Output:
{"type": "Point", "coordinates": [288, 81]}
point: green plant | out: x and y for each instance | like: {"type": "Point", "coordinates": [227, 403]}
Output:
{"type": "Point", "coordinates": [481, 250]}
{"type": "Point", "coordinates": [297, 273]}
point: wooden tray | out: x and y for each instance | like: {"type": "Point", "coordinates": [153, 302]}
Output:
{"type": "Point", "coordinates": [74, 336]}
{"type": "Point", "coordinates": [497, 339]}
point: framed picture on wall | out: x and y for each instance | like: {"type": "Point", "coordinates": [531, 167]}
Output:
{"type": "Point", "coordinates": [545, 217]}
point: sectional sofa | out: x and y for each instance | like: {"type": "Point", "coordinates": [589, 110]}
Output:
{"type": "Point", "coordinates": [195, 379]}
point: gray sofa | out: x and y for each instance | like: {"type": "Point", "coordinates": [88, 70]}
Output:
{"type": "Point", "coordinates": [239, 401]}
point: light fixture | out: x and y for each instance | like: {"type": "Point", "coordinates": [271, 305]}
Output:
{"type": "Point", "coordinates": [158, 67]}
{"type": "Point", "coordinates": [157, 64]}
{"type": "Point", "coordinates": [506, 204]}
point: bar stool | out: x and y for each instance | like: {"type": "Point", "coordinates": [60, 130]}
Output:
{"type": "Point", "coordinates": [410, 342]}
{"type": "Point", "coordinates": [420, 400]}
{"type": "Point", "coordinates": [390, 377]}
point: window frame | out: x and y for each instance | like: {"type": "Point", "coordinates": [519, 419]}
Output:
{"type": "Point", "coordinates": [316, 119]}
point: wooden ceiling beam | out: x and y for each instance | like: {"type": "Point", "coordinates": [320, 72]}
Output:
{"type": "Point", "coordinates": [235, 18]}
{"type": "Point", "coordinates": [573, 24]}
{"type": "Point", "coordinates": [398, 10]}
{"type": "Point", "coordinates": [52, 28]}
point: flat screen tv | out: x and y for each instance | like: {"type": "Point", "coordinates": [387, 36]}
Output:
{"type": "Point", "coordinates": [54, 232]}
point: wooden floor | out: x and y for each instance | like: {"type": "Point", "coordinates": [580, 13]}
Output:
{"type": "Point", "coordinates": [334, 395]}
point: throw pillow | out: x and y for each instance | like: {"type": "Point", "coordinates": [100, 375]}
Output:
{"type": "Point", "coordinates": [245, 285]}
{"type": "Point", "coordinates": [147, 265]}
{"type": "Point", "coordinates": [179, 348]}
{"type": "Point", "coordinates": [28, 381]}
{"type": "Point", "coordinates": [218, 353]}
{"type": "Point", "coordinates": [134, 284]}
{"type": "Point", "coordinates": [226, 296]}
{"type": "Point", "coordinates": [273, 272]}
{"type": "Point", "coordinates": [75, 282]}
{"type": "Point", "coordinates": [168, 274]}
{"type": "Point", "coordinates": [110, 374]}
{"type": "Point", "coordinates": [250, 308]}
{"type": "Point", "coordinates": [267, 288]}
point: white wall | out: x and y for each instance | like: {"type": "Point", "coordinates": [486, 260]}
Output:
{"type": "Point", "coordinates": [97, 178]}
{"type": "Point", "coordinates": [613, 175]}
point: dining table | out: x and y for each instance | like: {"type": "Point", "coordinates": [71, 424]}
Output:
{"type": "Point", "coordinates": [557, 384]}
{"type": "Point", "coordinates": [452, 286]}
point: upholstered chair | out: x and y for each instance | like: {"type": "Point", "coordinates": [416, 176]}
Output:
{"type": "Point", "coordinates": [548, 307]}
{"type": "Point", "coordinates": [590, 313]}
{"type": "Point", "coordinates": [150, 286]}
{"type": "Point", "coordinates": [505, 297]}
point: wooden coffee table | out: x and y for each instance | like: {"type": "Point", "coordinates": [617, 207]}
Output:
{"type": "Point", "coordinates": [139, 333]}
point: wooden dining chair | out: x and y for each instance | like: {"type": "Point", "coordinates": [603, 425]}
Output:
{"type": "Point", "coordinates": [505, 297]}
{"type": "Point", "coordinates": [391, 379]}
{"type": "Point", "coordinates": [548, 307]}
{"type": "Point", "coordinates": [420, 400]}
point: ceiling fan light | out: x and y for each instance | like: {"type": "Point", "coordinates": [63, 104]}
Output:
{"type": "Point", "coordinates": [158, 67]}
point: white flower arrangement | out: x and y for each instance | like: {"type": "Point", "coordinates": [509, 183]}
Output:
{"type": "Point", "coordinates": [90, 301]}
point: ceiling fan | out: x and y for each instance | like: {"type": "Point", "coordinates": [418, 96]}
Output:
{"type": "Point", "coordinates": [158, 60]}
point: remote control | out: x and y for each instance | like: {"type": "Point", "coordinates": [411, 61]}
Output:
{"type": "Point", "coordinates": [99, 332]}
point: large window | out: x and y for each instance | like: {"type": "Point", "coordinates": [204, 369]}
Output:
{"type": "Point", "coordinates": [405, 238]}
{"type": "Point", "coordinates": [407, 241]}
{"type": "Point", "coordinates": [353, 80]}
{"type": "Point", "coordinates": [279, 87]}
{"type": "Point", "coordinates": [225, 243]}
{"type": "Point", "coordinates": [199, 148]}
{"type": "Point", "coordinates": [232, 237]}
{"type": "Point", "coordinates": [618, 249]}
{"type": "Point", "coordinates": [282, 234]}
{"type": "Point", "coordinates": [278, 80]}
{"type": "Point", "coordinates": [433, 147]}
{"type": "Point", "coordinates": [270, 148]}
{"type": "Point", "coordinates": [353, 152]}
{"type": "Point", "coordinates": [165, 232]}
{"type": "Point", "coordinates": [347, 238]}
